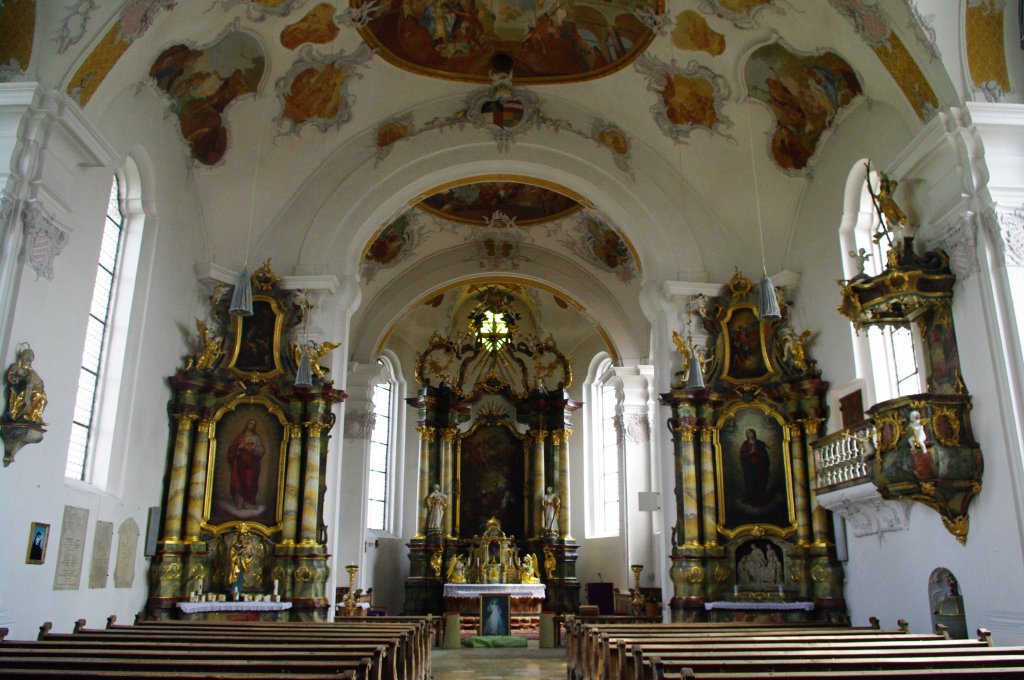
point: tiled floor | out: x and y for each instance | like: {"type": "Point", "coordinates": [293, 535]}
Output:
{"type": "Point", "coordinates": [497, 664]}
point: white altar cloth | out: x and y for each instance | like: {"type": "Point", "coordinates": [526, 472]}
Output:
{"type": "Point", "coordinates": [201, 607]}
{"type": "Point", "coordinates": [467, 591]}
{"type": "Point", "coordinates": [763, 606]}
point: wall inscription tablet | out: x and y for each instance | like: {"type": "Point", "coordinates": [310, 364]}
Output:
{"type": "Point", "coordinates": [73, 528]}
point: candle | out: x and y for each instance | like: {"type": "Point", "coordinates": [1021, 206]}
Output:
{"type": "Point", "coordinates": [275, 586]}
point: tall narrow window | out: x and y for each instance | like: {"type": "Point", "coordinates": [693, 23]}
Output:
{"type": "Point", "coordinates": [380, 453]}
{"type": "Point", "coordinates": [892, 351]}
{"type": "Point", "coordinates": [610, 428]}
{"type": "Point", "coordinates": [95, 338]}
{"type": "Point", "coordinates": [604, 439]}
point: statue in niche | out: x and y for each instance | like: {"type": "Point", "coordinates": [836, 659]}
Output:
{"type": "Point", "coordinates": [437, 503]}
{"type": "Point", "coordinates": [26, 395]}
{"type": "Point", "coordinates": [245, 555]}
{"type": "Point", "coordinates": [551, 503]}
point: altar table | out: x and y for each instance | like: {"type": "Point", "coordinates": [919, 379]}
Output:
{"type": "Point", "coordinates": [235, 611]}
{"type": "Point", "coordinates": [758, 612]}
{"type": "Point", "coordinates": [526, 598]}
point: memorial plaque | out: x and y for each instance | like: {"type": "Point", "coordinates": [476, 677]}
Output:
{"type": "Point", "coordinates": [100, 564]}
{"type": "Point", "coordinates": [71, 550]}
{"type": "Point", "coordinates": [127, 545]}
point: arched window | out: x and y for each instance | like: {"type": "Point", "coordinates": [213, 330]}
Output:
{"type": "Point", "coordinates": [381, 463]}
{"type": "Point", "coordinates": [103, 352]}
{"type": "Point", "coordinates": [887, 356]}
{"type": "Point", "coordinates": [605, 444]}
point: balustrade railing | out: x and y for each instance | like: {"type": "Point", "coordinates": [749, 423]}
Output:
{"type": "Point", "coordinates": [843, 458]}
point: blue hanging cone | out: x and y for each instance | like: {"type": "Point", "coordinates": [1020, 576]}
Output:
{"type": "Point", "coordinates": [304, 373]}
{"type": "Point", "coordinates": [241, 299]}
{"type": "Point", "coordinates": [767, 303]}
{"type": "Point", "coordinates": [695, 376]}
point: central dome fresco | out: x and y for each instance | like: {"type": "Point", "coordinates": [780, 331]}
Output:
{"type": "Point", "coordinates": [539, 40]}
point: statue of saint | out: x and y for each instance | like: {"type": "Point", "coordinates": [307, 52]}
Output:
{"type": "Point", "coordinates": [550, 502]}
{"type": "Point", "coordinates": [26, 396]}
{"type": "Point", "coordinates": [437, 503]}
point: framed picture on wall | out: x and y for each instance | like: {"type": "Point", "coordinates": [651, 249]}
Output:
{"type": "Point", "coordinates": [245, 480]}
{"type": "Point", "coordinates": [494, 615]}
{"type": "Point", "coordinates": [38, 537]}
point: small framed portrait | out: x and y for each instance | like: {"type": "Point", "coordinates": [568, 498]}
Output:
{"type": "Point", "coordinates": [38, 536]}
{"type": "Point", "coordinates": [494, 615]}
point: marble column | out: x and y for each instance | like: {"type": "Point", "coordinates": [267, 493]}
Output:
{"type": "Point", "coordinates": [819, 517]}
{"type": "Point", "coordinates": [798, 458]}
{"type": "Point", "coordinates": [311, 485]}
{"type": "Point", "coordinates": [560, 438]}
{"type": "Point", "coordinates": [448, 435]}
{"type": "Point", "coordinates": [427, 433]}
{"type": "Point", "coordinates": [538, 483]}
{"type": "Point", "coordinates": [709, 509]}
{"type": "Point", "coordinates": [197, 481]}
{"type": "Point", "coordinates": [290, 513]}
{"type": "Point", "coordinates": [686, 486]}
{"type": "Point", "coordinates": [176, 487]}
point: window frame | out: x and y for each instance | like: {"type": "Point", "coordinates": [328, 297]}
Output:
{"type": "Point", "coordinates": [605, 422]}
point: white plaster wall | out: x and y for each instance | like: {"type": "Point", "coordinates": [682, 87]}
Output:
{"type": "Point", "coordinates": [51, 315]}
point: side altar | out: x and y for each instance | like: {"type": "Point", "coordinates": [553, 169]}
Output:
{"type": "Point", "coordinates": [242, 515]}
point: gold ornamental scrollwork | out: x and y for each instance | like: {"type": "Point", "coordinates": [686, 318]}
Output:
{"type": "Point", "coordinates": [946, 426]}
{"type": "Point", "coordinates": [450, 434]}
{"type": "Point", "coordinates": [278, 573]}
{"type": "Point", "coordinates": [315, 429]}
{"type": "Point", "coordinates": [197, 571]}
{"type": "Point", "coordinates": [427, 432]}
{"type": "Point", "coordinates": [797, 574]}
{"type": "Point", "coordinates": [303, 574]}
{"type": "Point", "coordinates": [721, 574]}
{"type": "Point", "coordinates": [686, 432]}
{"type": "Point", "coordinates": [171, 572]}
{"type": "Point", "coordinates": [695, 574]}
{"type": "Point", "coordinates": [888, 439]}
{"type": "Point", "coordinates": [819, 574]}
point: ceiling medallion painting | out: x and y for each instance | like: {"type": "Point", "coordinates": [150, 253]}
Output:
{"type": "Point", "coordinates": [133, 22]}
{"type": "Point", "coordinates": [395, 243]}
{"type": "Point", "coordinates": [258, 10]}
{"type": "Point", "coordinates": [476, 203]}
{"type": "Point", "coordinates": [542, 41]}
{"type": "Point", "coordinates": [804, 93]}
{"type": "Point", "coordinates": [688, 99]}
{"type": "Point", "coordinates": [692, 32]}
{"type": "Point", "coordinates": [314, 91]}
{"type": "Point", "coordinates": [316, 27]}
{"type": "Point", "coordinates": [600, 245]}
{"type": "Point", "coordinates": [873, 26]}
{"type": "Point", "coordinates": [199, 91]}
{"type": "Point", "coordinates": [742, 13]}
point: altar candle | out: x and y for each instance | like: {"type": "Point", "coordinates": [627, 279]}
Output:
{"type": "Point", "coordinates": [275, 586]}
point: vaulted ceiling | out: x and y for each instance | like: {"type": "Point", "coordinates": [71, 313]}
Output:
{"type": "Point", "coordinates": [587, 147]}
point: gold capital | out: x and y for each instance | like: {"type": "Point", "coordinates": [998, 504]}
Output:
{"type": "Point", "coordinates": [450, 434]}
{"type": "Point", "coordinates": [686, 432]}
{"type": "Point", "coordinates": [539, 435]}
{"type": "Point", "coordinates": [314, 429]}
{"type": "Point", "coordinates": [427, 432]}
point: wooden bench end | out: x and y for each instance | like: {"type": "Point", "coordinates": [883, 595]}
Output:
{"type": "Point", "coordinates": [985, 635]}
{"type": "Point", "coordinates": [942, 629]}
{"type": "Point", "coordinates": [904, 626]}
{"type": "Point", "coordinates": [3, 633]}
{"type": "Point", "coordinates": [79, 625]}
{"type": "Point", "coordinates": [44, 629]}
{"type": "Point", "coordinates": [874, 622]}
{"type": "Point", "coordinates": [111, 620]}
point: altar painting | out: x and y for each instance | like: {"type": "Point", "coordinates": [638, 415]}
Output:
{"type": "Point", "coordinates": [245, 482]}
{"type": "Point", "coordinates": [492, 475]}
{"type": "Point", "coordinates": [754, 484]}
{"type": "Point", "coordinates": [257, 347]}
{"type": "Point", "coordinates": [746, 354]}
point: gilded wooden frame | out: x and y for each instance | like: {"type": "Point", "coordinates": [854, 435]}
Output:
{"type": "Point", "coordinates": [42, 532]}
{"type": "Point", "coordinates": [272, 426]}
{"type": "Point", "coordinates": [255, 358]}
{"type": "Point", "coordinates": [753, 415]}
{"type": "Point", "coordinates": [457, 473]}
{"type": "Point", "coordinates": [728, 331]}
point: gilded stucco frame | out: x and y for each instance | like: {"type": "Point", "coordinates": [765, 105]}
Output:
{"type": "Point", "coordinates": [275, 350]}
{"type": "Point", "coordinates": [457, 473]}
{"type": "Point", "coordinates": [273, 410]}
{"type": "Point", "coordinates": [756, 529]}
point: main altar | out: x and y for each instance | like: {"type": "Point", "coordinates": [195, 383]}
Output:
{"type": "Point", "coordinates": [493, 417]}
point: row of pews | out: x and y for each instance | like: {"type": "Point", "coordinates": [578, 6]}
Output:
{"type": "Point", "coordinates": [733, 651]}
{"type": "Point", "coordinates": [377, 648]}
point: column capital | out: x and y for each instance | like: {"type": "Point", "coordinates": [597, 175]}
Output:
{"type": "Point", "coordinates": [450, 434]}
{"type": "Point", "coordinates": [539, 435]}
{"type": "Point", "coordinates": [427, 432]}
{"type": "Point", "coordinates": [314, 429]}
{"type": "Point", "coordinates": [685, 432]}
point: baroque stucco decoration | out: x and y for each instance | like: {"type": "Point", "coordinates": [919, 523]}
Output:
{"type": "Point", "coordinates": [73, 25]}
{"type": "Point", "coordinates": [258, 10]}
{"type": "Point", "coordinates": [496, 245]}
{"type": "Point", "coordinates": [689, 98]}
{"type": "Point", "coordinates": [315, 90]}
{"type": "Point", "coordinates": [1012, 229]}
{"type": "Point", "coordinates": [134, 20]}
{"type": "Point", "coordinates": [866, 512]}
{"type": "Point", "coordinates": [45, 238]}
{"type": "Point", "coordinates": [595, 242]}
{"type": "Point", "coordinates": [742, 13]}
{"type": "Point", "coordinates": [395, 243]}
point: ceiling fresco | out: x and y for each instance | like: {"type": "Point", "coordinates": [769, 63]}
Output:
{"type": "Point", "coordinates": [691, 32]}
{"type": "Point", "coordinates": [541, 42]}
{"type": "Point", "coordinates": [17, 25]}
{"type": "Point", "coordinates": [316, 27]}
{"type": "Point", "coordinates": [475, 203]}
{"type": "Point", "coordinates": [199, 91]}
{"type": "Point", "coordinates": [804, 93]}
{"type": "Point", "coordinates": [742, 13]}
{"type": "Point", "coordinates": [689, 98]}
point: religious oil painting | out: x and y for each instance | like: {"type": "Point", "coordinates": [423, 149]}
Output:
{"type": "Point", "coordinates": [746, 356]}
{"type": "Point", "coordinates": [38, 537]}
{"type": "Point", "coordinates": [476, 203]}
{"type": "Point", "coordinates": [201, 83]}
{"type": "Point", "coordinates": [804, 93]}
{"type": "Point", "coordinates": [246, 477]}
{"type": "Point", "coordinates": [752, 455]}
{"type": "Point", "coordinates": [492, 473]}
{"type": "Point", "coordinates": [494, 615]}
{"type": "Point", "coordinates": [257, 347]}
{"type": "Point", "coordinates": [546, 42]}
